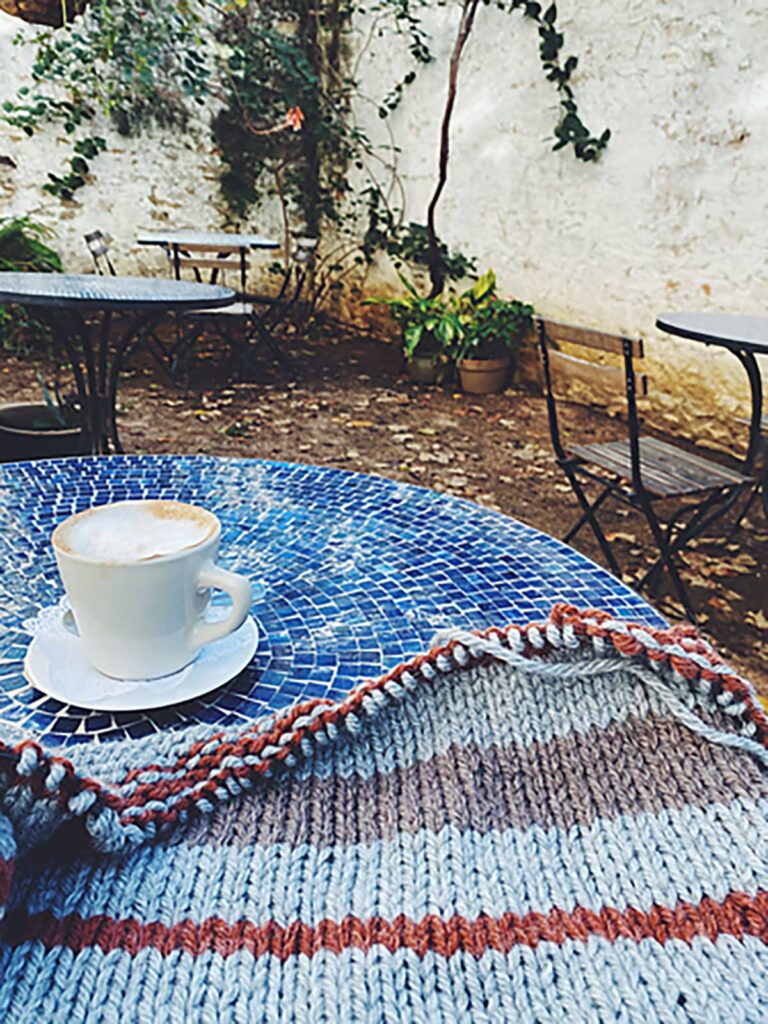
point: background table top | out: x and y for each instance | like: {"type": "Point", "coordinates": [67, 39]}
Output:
{"type": "Point", "coordinates": [741, 333]}
{"type": "Point", "coordinates": [213, 238]}
{"type": "Point", "coordinates": [73, 291]}
{"type": "Point", "coordinates": [359, 573]}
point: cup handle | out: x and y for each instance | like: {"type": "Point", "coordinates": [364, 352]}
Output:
{"type": "Point", "coordinates": [239, 589]}
{"type": "Point", "coordinates": [68, 622]}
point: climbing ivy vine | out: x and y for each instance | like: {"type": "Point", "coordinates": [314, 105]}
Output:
{"type": "Point", "coordinates": [144, 62]}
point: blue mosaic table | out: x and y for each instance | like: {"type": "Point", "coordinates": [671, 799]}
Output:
{"type": "Point", "coordinates": [358, 574]}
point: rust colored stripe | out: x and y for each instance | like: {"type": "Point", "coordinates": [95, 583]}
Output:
{"type": "Point", "coordinates": [738, 915]}
{"type": "Point", "coordinates": [586, 625]}
{"type": "Point", "coordinates": [6, 874]}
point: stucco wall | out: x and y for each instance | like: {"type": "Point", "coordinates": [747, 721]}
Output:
{"type": "Point", "coordinates": [672, 217]}
{"type": "Point", "coordinates": [161, 178]}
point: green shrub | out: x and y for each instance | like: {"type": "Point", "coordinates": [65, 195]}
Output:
{"type": "Point", "coordinates": [22, 248]}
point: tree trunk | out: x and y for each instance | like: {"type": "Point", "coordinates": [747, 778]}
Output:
{"type": "Point", "coordinates": [434, 259]}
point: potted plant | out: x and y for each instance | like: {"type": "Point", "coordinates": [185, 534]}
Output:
{"type": "Point", "coordinates": [41, 430]}
{"type": "Point", "coordinates": [430, 327]}
{"type": "Point", "coordinates": [491, 330]}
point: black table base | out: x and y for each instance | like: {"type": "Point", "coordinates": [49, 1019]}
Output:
{"type": "Point", "coordinates": [79, 309]}
{"type": "Point", "coordinates": [97, 349]}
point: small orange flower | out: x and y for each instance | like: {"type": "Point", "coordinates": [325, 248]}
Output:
{"type": "Point", "coordinates": [294, 118]}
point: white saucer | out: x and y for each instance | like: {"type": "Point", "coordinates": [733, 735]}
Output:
{"type": "Point", "coordinates": [55, 664]}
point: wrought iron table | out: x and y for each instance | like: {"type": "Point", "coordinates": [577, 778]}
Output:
{"type": "Point", "coordinates": [71, 304]}
{"type": "Point", "coordinates": [746, 337]}
{"type": "Point", "coordinates": [358, 573]}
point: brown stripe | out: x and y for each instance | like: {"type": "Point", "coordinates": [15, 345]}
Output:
{"type": "Point", "coordinates": [640, 765]}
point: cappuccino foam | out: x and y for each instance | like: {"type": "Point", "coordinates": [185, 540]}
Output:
{"type": "Point", "coordinates": [136, 531]}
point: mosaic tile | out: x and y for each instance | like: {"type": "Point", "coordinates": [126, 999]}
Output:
{"type": "Point", "coordinates": [358, 572]}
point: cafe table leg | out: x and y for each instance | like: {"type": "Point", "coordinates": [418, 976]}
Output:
{"type": "Point", "coordinates": [749, 363]}
{"type": "Point", "coordinates": [136, 334]}
{"type": "Point", "coordinates": [96, 358]}
{"type": "Point", "coordinates": [71, 337]}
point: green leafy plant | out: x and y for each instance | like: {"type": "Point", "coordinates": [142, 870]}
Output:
{"type": "Point", "coordinates": [145, 62]}
{"type": "Point", "coordinates": [490, 326]}
{"type": "Point", "coordinates": [138, 63]}
{"type": "Point", "coordinates": [473, 324]}
{"type": "Point", "coordinates": [23, 248]}
{"type": "Point", "coordinates": [570, 130]}
{"type": "Point", "coordinates": [430, 325]}
{"type": "Point", "coordinates": [409, 245]}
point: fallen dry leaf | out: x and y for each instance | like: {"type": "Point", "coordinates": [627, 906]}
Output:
{"type": "Point", "coordinates": [757, 618]}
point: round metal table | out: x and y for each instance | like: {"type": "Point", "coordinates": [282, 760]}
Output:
{"type": "Point", "coordinates": [358, 573]}
{"type": "Point", "coordinates": [746, 337]}
{"type": "Point", "coordinates": [78, 309]}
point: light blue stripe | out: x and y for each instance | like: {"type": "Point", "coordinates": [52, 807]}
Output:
{"type": "Point", "coordinates": [484, 706]}
{"type": "Point", "coordinates": [641, 983]}
{"type": "Point", "coordinates": [634, 861]}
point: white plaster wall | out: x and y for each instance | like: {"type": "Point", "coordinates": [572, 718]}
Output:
{"type": "Point", "coordinates": [158, 179]}
{"type": "Point", "coordinates": [673, 216]}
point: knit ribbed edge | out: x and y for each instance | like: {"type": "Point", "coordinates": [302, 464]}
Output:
{"type": "Point", "coordinates": [149, 800]}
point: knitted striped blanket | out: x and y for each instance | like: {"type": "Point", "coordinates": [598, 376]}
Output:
{"type": "Point", "coordinates": [561, 822]}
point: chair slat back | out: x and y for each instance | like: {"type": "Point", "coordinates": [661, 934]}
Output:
{"type": "Point", "coordinates": [621, 382]}
{"type": "Point", "coordinates": [587, 372]}
{"type": "Point", "coordinates": [587, 338]}
{"type": "Point", "coordinates": [208, 263]}
{"type": "Point", "coordinates": [96, 242]}
{"type": "Point", "coordinates": [208, 247]}
{"type": "Point", "coordinates": [197, 257]}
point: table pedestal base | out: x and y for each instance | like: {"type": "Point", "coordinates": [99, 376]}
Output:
{"type": "Point", "coordinates": [96, 358]}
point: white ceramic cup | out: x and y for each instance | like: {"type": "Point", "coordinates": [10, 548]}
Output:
{"type": "Point", "coordinates": [138, 576]}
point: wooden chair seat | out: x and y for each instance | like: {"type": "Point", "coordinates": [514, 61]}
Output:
{"type": "Point", "coordinates": [763, 423]}
{"type": "Point", "coordinates": [665, 470]}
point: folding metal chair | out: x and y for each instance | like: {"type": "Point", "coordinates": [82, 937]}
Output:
{"type": "Point", "coordinates": [242, 325]}
{"type": "Point", "coordinates": [298, 272]}
{"type": "Point", "coordinates": [679, 493]}
{"type": "Point", "coordinates": [98, 245]}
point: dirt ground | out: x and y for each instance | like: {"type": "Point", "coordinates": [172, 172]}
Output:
{"type": "Point", "coordinates": [352, 408]}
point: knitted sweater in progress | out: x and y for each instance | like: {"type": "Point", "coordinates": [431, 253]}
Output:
{"type": "Point", "coordinates": [560, 822]}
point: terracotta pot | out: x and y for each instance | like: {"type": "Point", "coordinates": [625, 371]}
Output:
{"type": "Point", "coordinates": [18, 441]}
{"type": "Point", "coordinates": [484, 376]}
{"type": "Point", "coordinates": [43, 12]}
{"type": "Point", "coordinates": [422, 369]}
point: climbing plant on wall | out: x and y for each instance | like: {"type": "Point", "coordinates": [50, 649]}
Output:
{"type": "Point", "coordinates": [569, 130]}
{"type": "Point", "coordinates": [144, 62]}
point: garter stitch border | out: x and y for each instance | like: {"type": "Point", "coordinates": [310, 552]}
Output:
{"type": "Point", "coordinates": [147, 801]}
